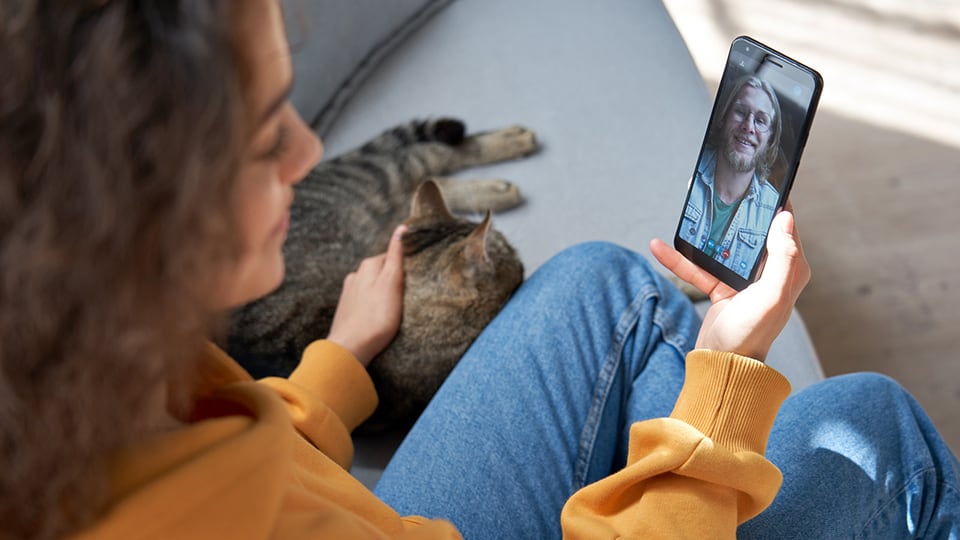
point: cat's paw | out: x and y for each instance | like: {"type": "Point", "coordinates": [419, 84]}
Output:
{"type": "Point", "coordinates": [497, 195]}
{"type": "Point", "coordinates": [516, 141]}
{"type": "Point", "coordinates": [503, 144]}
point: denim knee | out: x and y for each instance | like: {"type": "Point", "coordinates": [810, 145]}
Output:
{"type": "Point", "coordinates": [859, 459]}
{"type": "Point", "coordinates": [867, 387]}
{"type": "Point", "coordinates": [871, 398]}
{"type": "Point", "coordinates": [592, 253]}
{"type": "Point", "coordinates": [884, 431]}
{"type": "Point", "coordinates": [871, 404]}
{"type": "Point", "coordinates": [599, 261]}
{"type": "Point", "coordinates": [603, 275]}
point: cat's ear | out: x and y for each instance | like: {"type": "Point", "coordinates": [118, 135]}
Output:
{"type": "Point", "coordinates": [475, 246]}
{"type": "Point", "coordinates": [428, 204]}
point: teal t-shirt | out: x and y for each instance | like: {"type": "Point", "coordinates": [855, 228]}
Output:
{"type": "Point", "coordinates": [722, 213]}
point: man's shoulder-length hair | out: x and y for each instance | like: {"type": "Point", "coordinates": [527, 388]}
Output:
{"type": "Point", "coordinates": [765, 165]}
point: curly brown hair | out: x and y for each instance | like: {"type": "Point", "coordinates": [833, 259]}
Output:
{"type": "Point", "coordinates": [121, 124]}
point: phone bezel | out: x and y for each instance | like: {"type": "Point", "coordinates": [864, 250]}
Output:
{"type": "Point", "coordinates": [714, 267]}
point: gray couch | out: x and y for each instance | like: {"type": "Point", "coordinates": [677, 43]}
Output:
{"type": "Point", "coordinates": [609, 87]}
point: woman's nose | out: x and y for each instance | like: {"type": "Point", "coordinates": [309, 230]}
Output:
{"type": "Point", "coordinates": [305, 152]}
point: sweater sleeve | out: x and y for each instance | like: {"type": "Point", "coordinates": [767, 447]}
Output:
{"type": "Point", "coordinates": [328, 395]}
{"type": "Point", "coordinates": [698, 473]}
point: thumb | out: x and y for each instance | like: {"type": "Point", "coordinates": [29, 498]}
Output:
{"type": "Point", "coordinates": [783, 251]}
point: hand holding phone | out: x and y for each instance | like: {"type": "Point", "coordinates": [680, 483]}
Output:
{"type": "Point", "coordinates": [748, 160]}
{"type": "Point", "coordinates": [747, 322]}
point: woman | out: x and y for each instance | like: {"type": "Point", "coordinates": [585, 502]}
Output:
{"type": "Point", "coordinates": [147, 156]}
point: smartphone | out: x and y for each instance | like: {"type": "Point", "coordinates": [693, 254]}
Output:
{"type": "Point", "coordinates": [751, 149]}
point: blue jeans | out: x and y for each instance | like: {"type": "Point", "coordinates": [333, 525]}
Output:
{"type": "Point", "coordinates": [594, 341]}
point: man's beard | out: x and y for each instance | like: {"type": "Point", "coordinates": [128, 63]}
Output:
{"type": "Point", "coordinates": [738, 162]}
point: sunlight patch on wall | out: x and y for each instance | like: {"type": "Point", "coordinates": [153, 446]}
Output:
{"type": "Point", "coordinates": [890, 64]}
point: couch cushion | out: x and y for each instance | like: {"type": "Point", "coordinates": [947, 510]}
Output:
{"type": "Point", "coordinates": [609, 87]}
{"type": "Point", "coordinates": [337, 43]}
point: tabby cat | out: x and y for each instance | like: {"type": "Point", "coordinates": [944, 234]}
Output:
{"type": "Point", "coordinates": [458, 274]}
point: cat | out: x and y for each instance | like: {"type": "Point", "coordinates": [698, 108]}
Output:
{"type": "Point", "coordinates": [458, 274]}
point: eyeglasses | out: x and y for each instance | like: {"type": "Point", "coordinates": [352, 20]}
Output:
{"type": "Point", "coordinates": [761, 122]}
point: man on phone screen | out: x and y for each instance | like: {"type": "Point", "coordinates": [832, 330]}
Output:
{"type": "Point", "coordinates": [731, 200]}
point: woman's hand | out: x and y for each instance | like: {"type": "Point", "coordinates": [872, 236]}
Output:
{"type": "Point", "coordinates": [746, 323]}
{"type": "Point", "coordinates": [371, 304]}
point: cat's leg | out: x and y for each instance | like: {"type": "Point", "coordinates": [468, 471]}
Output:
{"type": "Point", "coordinates": [442, 146]}
{"type": "Point", "coordinates": [410, 153]}
{"type": "Point", "coordinates": [505, 144]}
{"type": "Point", "coordinates": [437, 156]}
{"type": "Point", "coordinates": [475, 195]}
{"type": "Point", "coordinates": [445, 131]}
{"type": "Point", "coordinates": [478, 195]}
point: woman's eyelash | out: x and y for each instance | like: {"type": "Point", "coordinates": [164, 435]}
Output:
{"type": "Point", "coordinates": [280, 144]}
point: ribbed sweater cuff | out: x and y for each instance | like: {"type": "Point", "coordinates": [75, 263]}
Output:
{"type": "Point", "coordinates": [339, 380]}
{"type": "Point", "coordinates": [730, 398]}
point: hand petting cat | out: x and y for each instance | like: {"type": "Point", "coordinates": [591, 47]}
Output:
{"type": "Point", "coordinates": [371, 305]}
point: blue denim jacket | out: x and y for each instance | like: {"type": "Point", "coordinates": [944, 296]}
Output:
{"type": "Point", "coordinates": [745, 238]}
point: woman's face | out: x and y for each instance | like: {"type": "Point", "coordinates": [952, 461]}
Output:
{"type": "Point", "coordinates": [281, 152]}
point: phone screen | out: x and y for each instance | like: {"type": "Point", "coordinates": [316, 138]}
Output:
{"type": "Point", "coordinates": [761, 117]}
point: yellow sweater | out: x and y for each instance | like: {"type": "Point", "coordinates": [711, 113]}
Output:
{"type": "Point", "coordinates": [270, 459]}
